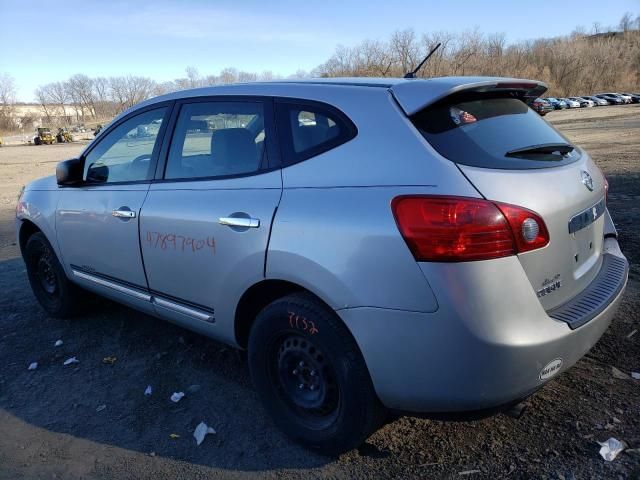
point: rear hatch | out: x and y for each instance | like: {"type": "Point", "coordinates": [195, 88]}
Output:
{"type": "Point", "coordinates": [511, 155]}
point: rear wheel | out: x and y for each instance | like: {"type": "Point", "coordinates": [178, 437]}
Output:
{"type": "Point", "coordinates": [37, 141]}
{"type": "Point", "coordinates": [311, 376]}
{"type": "Point", "coordinates": [55, 293]}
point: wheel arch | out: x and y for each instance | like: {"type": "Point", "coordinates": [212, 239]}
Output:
{"type": "Point", "coordinates": [27, 229]}
{"type": "Point", "coordinates": [257, 297]}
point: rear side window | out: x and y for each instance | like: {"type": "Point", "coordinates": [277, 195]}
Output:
{"type": "Point", "coordinates": [487, 132]}
{"type": "Point", "coordinates": [309, 129]}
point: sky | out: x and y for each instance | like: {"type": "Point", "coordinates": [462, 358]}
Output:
{"type": "Point", "coordinates": [160, 38]}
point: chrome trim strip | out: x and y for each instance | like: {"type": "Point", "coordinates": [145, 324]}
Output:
{"type": "Point", "coordinates": [587, 216]}
{"type": "Point", "coordinates": [176, 307]}
{"type": "Point", "coordinates": [114, 286]}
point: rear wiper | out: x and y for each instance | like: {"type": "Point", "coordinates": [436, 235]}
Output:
{"type": "Point", "coordinates": [562, 148]}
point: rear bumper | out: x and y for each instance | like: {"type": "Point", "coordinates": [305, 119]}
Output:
{"type": "Point", "coordinates": [486, 346]}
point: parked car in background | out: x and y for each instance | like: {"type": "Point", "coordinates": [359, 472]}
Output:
{"type": "Point", "coordinates": [583, 102]}
{"type": "Point", "coordinates": [599, 102]}
{"type": "Point", "coordinates": [418, 246]}
{"type": "Point", "coordinates": [626, 97]}
{"type": "Point", "coordinates": [635, 97]}
{"type": "Point", "coordinates": [542, 106]}
{"type": "Point", "coordinates": [611, 98]}
{"type": "Point", "coordinates": [571, 103]}
{"type": "Point", "coordinates": [556, 103]}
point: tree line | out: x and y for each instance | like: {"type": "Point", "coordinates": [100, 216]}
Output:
{"type": "Point", "coordinates": [579, 64]}
{"type": "Point", "coordinates": [582, 63]}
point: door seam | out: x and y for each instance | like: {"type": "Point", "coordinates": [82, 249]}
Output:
{"type": "Point", "coordinates": [273, 218]}
{"type": "Point", "coordinates": [144, 268]}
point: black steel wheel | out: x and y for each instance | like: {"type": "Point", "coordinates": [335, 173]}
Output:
{"type": "Point", "coordinates": [305, 379]}
{"type": "Point", "coordinates": [311, 377]}
{"type": "Point", "coordinates": [55, 293]}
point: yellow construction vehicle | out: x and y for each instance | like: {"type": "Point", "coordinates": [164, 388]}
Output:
{"type": "Point", "coordinates": [64, 136]}
{"type": "Point", "coordinates": [45, 136]}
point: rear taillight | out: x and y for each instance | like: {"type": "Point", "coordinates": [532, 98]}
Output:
{"type": "Point", "coordinates": [459, 229]}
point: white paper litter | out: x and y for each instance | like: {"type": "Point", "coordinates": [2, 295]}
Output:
{"type": "Point", "coordinates": [58, 343]}
{"type": "Point", "coordinates": [71, 360]}
{"type": "Point", "coordinates": [148, 390]}
{"type": "Point", "coordinates": [635, 375]}
{"type": "Point", "coordinates": [33, 366]}
{"type": "Point", "coordinates": [619, 374]}
{"type": "Point", "coordinates": [177, 396]}
{"type": "Point", "coordinates": [610, 449]}
{"type": "Point", "coordinates": [201, 431]}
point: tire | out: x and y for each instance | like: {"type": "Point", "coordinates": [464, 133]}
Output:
{"type": "Point", "coordinates": [56, 294]}
{"type": "Point", "coordinates": [37, 141]}
{"type": "Point", "coordinates": [311, 377]}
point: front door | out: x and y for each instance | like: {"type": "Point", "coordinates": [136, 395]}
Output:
{"type": "Point", "coordinates": [205, 226]}
{"type": "Point", "coordinates": [97, 222]}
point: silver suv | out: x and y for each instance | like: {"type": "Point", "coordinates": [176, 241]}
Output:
{"type": "Point", "coordinates": [377, 245]}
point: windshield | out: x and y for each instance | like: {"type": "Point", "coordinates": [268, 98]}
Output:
{"type": "Point", "coordinates": [486, 132]}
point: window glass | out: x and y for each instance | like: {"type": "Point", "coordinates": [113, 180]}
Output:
{"type": "Point", "coordinates": [216, 139]}
{"type": "Point", "coordinates": [124, 154]}
{"type": "Point", "coordinates": [307, 129]}
{"type": "Point", "coordinates": [310, 128]}
{"type": "Point", "coordinates": [487, 132]}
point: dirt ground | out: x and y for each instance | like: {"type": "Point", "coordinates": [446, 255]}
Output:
{"type": "Point", "coordinates": [52, 424]}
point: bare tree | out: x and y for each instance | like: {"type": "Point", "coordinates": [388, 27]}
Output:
{"type": "Point", "coordinates": [626, 22]}
{"type": "Point", "coordinates": [58, 94]}
{"type": "Point", "coordinates": [103, 104]}
{"type": "Point", "coordinates": [193, 77]}
{"type": "Point", "coordinates": [228, 75]}
{"type": "Point", "coordinates": [44, 100]}
{"type": "Point", "coordinates": [267, 76]}
{"type": "Point", "coordinates": [80, 88]}
{"type": "Point", "coordinates": [405, 49]}
{"type": "Point", "coordinates": [247, 76]}
{"type": "Point", "coordinates": [7, 100]}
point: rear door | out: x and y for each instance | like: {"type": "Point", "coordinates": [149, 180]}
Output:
{"type": "Point", "coordinates": [512, 155]}
{"type": "Point", "coordinates": [205, 223]}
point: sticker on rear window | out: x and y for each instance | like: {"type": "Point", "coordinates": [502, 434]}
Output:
{"type": "Point", "coordinates": [461, 117]}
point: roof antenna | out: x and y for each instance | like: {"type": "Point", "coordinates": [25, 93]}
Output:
{"type": "Point", "coordinates": [413, 73]}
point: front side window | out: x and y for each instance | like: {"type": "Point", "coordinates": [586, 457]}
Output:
{"type": "Point", "coordinates": [125, 154]}
{"type": "Point", "coordinates": [311, 129]}
{"type": "Point", "coordinates": [217, 139]}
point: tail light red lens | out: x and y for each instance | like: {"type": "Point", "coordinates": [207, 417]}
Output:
{"type": "Point", "coordinates": [459, 229]}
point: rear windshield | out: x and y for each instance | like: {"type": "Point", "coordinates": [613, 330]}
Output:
{"type": "Point", "coordinates": [493, 133]}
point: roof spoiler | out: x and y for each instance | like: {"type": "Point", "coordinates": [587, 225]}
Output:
{"type": "Point", "coordinates": [415, 95]}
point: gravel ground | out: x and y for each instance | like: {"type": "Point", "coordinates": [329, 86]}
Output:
{"type": "Point", "coordinates": [92, 420]}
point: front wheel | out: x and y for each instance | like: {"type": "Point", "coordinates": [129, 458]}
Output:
{"type": "Point", "coordinates": [311, 377]}
{"type": "Point", "coordinates": [53, 290]}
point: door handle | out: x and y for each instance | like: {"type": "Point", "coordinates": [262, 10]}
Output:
{"type": "Point", "coordinates": [122, 213]}
{"type": "Point", "coordinates": [239, 222]}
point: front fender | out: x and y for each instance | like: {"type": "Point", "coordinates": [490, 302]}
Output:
{"type": "Point", "coordinates": [39, 208]}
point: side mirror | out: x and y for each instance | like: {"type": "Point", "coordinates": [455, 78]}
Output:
{"type": "Point", "coordinates": [69, 172]}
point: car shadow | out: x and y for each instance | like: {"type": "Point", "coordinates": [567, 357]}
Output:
{"type": "Point", "coordinates": [106, 403]}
